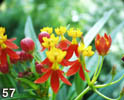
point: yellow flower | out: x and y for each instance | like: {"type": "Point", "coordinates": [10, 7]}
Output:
{"type": "Point", "coordinates": [55, 56]}
{"type": "Point", "coordinates": [85, 51]}
{"type": "Point", "coordinates": [47, 29]}
{"type": "Point", "coordinates": [74, 33]}
{"type": "Point", "coordinates": [50, 42]}
{"type": "Point", "coordinates": [60, 31]}
{"type": "Point", "coordinates": [2, 37]}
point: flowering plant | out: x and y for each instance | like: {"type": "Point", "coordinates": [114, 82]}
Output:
{"type": "Point", "coordinates": [53, 58]}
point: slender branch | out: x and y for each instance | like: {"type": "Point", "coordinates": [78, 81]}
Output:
{"type": "Point", "coordinates": [108, 84]}
{"type": "Point", "coordinates": [82, 93]}
{"type": "Point", "coordinates": [99, 69]}
{"type": "Point", "coordinates": [96, 68]}
{"type": "Point", "coordinates": [107, 98]}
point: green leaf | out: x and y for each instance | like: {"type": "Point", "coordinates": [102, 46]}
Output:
{"type": "Point", "coordinates": [21, 96]}
{"type": "Point", "coordinates": [107, 90]}
{"type": "Point", "coordinates": [116, 30]}
{"type": "Point", "coordinates": [29, 32]}
{"type": "Point", "coordinates": [28, 82]}
{"type": "Point", "coordinates": [96, 28]}
{"type": "Point", "coordinates": [79, 84]}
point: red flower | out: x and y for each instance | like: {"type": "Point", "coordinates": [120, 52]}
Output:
{"type": "Point", "coordinates": [103, 44]}
{"type": "Point", "coordinates": [77, 67]}
{"type": "Point", "coordinates": [54, 58]}
{"type": "Point", "coordinates": [7, 50]}
{"type": "Point", "coordinates": [27, 44]}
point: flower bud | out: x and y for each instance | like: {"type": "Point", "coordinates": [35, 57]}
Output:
{"type": "Point", "coordinates": [38, 68]}
{"type": "Point", "coordinates": [20, 74]}
{"type": "Point", "coordinates": [27, 44]}
{"type": "Point", "coordinates": [43, 34]}
{"type": "Point", "coordinates": [113, 70]}
{"type": "Point", "coordinates": [122, 58]}
{"type": "Point", "coordinates": [4, 68]}
{"type": "Point", "coordinates": [103, 44]}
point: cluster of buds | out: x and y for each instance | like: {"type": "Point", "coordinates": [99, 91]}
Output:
{"type": "Point", "coordinates": [59, 51]}
{"type": "Point", "coordinates": [27, 46]}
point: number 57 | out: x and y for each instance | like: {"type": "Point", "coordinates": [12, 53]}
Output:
{"type": "Point", "coordinates": [5, 92]}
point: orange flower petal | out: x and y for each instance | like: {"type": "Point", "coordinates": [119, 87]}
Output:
{"type": "Point", "coordinates": [3, 57]}
{"type": "Point", "coordinates": [11, 53]}
{"type": "Point", "coordinates": [11, 45]}
{"type": "Point", "coordinates": [43, 78]}
{"type": "Point", "coordinates": [11, 40]}
{"type": "Point", "coordinates": [54, 81]}
{"type": "Point", "coordinates": [63, 78]}
{"type": "Point", "coordinates": [65, 62]}
{"type": "Point", "coordinates": [74, 68]}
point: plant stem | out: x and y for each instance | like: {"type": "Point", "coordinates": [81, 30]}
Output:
{"type": "Point", "coordinates": [53, 96]}
{"type": "Point", "coordinates": [82, 93]}
{"type": "Point", "coordinates": [107, 98]}
{"type": "Point", "coordinates": [96, 68]}
{"type": "Point", "coordinates": [99, 69]}
{"type": "Point", "coordinates": [108, 84]}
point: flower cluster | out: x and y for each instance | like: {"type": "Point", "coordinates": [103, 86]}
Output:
{"type": "Point", "coordinates": [59, 51]}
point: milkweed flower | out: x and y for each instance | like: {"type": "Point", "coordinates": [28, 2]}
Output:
{"type": "Point", "coordinates": [6, 47]}
{"type": "Point", "coordinates": [64, 43]}
{"type": "Point", "coordinates": [47, 29]}
{"type": "Point", "coordinates": [103, 44]}
{"type": "Point", "coordinates": [73, 48]}
{"type": "Point", "coordinates": [50, 42]}
{"type": "Point", "coordinates": [27, 44]}
{"type": "Point", "coordinates": [77, 66]}
{"type": "Point", "coordinates": [55, 57]}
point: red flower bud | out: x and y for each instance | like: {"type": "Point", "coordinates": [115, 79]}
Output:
{"type": "Point", "coordinates": [4, 68]}
{"type": "Point", "coordinates": [27, 44]}
{"type": "Point", "coordinates": [103, 44]}
{"type": "Point", "coordinates": [20, 74]}
{"type": "Point", "coordinates": [43, 34]}
{"type": "Point", "coordinates": [38, 68]}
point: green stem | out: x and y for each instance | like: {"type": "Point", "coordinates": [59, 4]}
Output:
{"type": "Point", "coordinates": [107, 98]}
{"type": "Point", "coordinates": [108, 84]}
{"type": "Point", "coordinates": [82, 93]}
{"type": "Point", "coordinates": [53, 96]}
{"type": "Point", "coordinates": [96, 69]}
{"type": "Point", "coordinates": [99, 69]}
{"type": "Point", "coordinates": [84, 64]}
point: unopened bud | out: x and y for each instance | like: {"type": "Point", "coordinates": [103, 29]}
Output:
{"type": "Point", "coordinates": [43, 34]}
{"type": "Point", "coordinates": [4, 68]}
{"type": "Point", "coordinates": [27, 44]}
{"type": "Point", "coordinates": [122, 58]}
{"type": "Point", "coordinates": [113, 70]}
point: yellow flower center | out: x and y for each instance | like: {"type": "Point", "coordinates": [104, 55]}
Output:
{"type": "Point", "coordinates": [74, 33]}
{"type": "Point", "coordinates": [3, 37]}
{"type": "Point", "coordinates": [60, 31]}
{"type": "Point", "coordinates": [85, 51]}
{"type": "Point", "coordinates": [55, 55]}
{"type": "Point", "coordinates": [50, 42]}
{"type": "Point", "coordinates": [47, 29]}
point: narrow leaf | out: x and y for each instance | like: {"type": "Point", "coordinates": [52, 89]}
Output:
{"type": "Point", "coordinates": [96, 28]}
